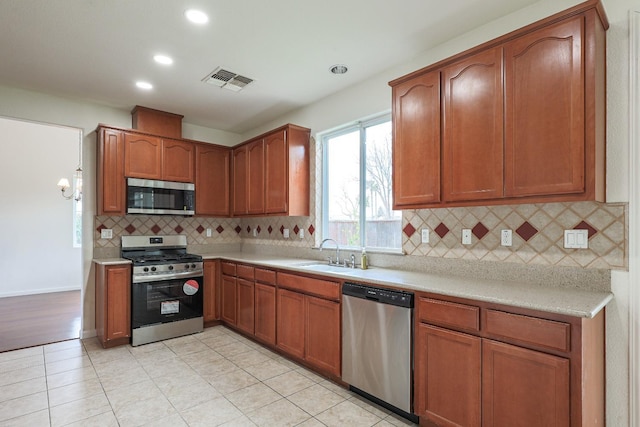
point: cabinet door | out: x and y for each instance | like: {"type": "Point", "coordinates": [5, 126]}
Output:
{"type": "Point", "coordinates": [245, 305]}
{"type": "Point", "coordinates": [276, 172]}
{"type": "Point", "coordinates": [142, 156]}
{"type": "Point", "coordinates": [290, 322]}
{"type": "Point", "coordinates": [416, 141]}
{"type": "Point", "coordinates": [118, 302]}
{"type": "Point", "coordinates": [178, 160]}
{"type": "Point", "coordinates": [523, 386]}
{"type": "Point", "coordinates": [212, 180]}
{"type": "Point", "coordinates": [265, 314]}
{"type": "Point", "coordinates": [240, 181]}
{"type": "Point", "coordinates": [255, 195]}
{"type": "Point", "coordinates": [228, 297]}
{"type": "Point", "coordinates": [544, 111]}
{"type": "Point", "coordinates": [110, 174]}
{"type": "Point", "coordinates": [472, 145]}
{"type": "Point", "coordinates": [210, 311]}
{"type": "Point", "coordinates": [447, 377]}
{"type": "Point", "coordinates": [322, 334]}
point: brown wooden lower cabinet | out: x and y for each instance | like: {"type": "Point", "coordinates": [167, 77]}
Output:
{"type": "Point", "coordinates": [322, 334]}
{"type": "Point", "coordinates": [228, 300]}
{"type": "Point", "coordinates": [518, 368]}
{"type": "Point", "coordinates": [265, 313]}
{"type": "Point", "coordinates": [210, 300]}
{"type": "Point", "coordinates": [245, 304]}
{"type": "Point", "coordinates": [290, 321]}
{"type": "Point", "coordinates": [113, 304]}
{"type": "Point", "coordinates": [521, 384]}
{"type": "Point", "coordinates": [448, 375]}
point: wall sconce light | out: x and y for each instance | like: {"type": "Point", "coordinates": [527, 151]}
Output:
{"type": "Point", "coordinates": [64, 185]}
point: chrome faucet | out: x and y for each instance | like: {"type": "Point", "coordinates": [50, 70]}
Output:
{"type": "Point", "coordinates": [337, 250]}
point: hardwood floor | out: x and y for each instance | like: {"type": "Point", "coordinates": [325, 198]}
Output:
{"type": "Point", "coordinates": [31, 320]}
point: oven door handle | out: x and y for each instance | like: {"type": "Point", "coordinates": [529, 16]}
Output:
{"type": "Point", "coordinates": [170, 276]}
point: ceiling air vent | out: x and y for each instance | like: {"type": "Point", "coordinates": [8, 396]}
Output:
{"type": "Point", "coordinates": [227, 79]}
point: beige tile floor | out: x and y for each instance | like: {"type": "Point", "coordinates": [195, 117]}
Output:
{"type": "Point", "coordinates": [213, 378]}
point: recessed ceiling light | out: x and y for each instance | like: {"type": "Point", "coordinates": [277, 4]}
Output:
{"type": "Point", "coordinates": [144, 85]}
{"type": "Point", "coordinates": [163, 59]}
{"type": "Point", "coordinates": [339, 69]}
{"type": "Point", "coordinates": [196, 16]}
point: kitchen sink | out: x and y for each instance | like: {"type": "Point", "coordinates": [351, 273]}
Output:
{"type": "Point", "coordinates": [328, 268]}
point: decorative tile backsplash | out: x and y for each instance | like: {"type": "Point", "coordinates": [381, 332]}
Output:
{"type": "Point", "coordinates": [538, 233]}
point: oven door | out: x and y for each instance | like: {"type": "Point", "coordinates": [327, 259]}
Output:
{"type": "Point", "coordinates": [166, 301]}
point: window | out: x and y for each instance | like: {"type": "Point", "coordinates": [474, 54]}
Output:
{"type": "Point", "coordinates": [356, 183]}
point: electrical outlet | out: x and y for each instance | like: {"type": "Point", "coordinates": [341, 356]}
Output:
{"type": "Point", "coordinates": [106, 233]}
{"type": "Point", "coordinates": [506, 237]}
{"type": "Point", "coordinates": [285, 233]}
{"type": "Point", "coordinates": [301, 233]}
{"type": "Point", "coordinates": [466, 236]}
{"type": "Point", "coordinates": [208, 232]}
{"type": "Point", "coordinates": [425, 235]}
{"type": "Point", "coordinates": [576, 239]}
{"type": "Point", "coordinates": [255, 232]}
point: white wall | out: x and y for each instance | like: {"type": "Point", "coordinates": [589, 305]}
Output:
{"type": "Point", "coordinates": [36, 230]}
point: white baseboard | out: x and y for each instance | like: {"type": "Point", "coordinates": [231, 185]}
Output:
{"type": "Point", "coordinates": [37, 291]}
{"type": "Point", "coordinates": [88, 334]}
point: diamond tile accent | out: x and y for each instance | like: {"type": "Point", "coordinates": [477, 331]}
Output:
{"type": "Point", "coordinates": [296, 229]}
{"type": "Point", "coordinates": [441, 230]}
{"type": "Point", "coordinates": [282, 229]}
{"type": "Point", "coordinates": [311, 229]}
{"type": "Point", "coordinates": [219, 229]}
{"type": "Point", "coordinates": [526, 231]}
{"type": "Point", "coordinates": [270, 229]}
{"type": "Point", "coordinates": [585, 226]}
{"type": "Point", "coordinates": [156, 229]}
{"type": "Point", "coordinates": [100, 228]}
{"type": "Point", "coordinates": [248, 229]}
{"type": "Point", "coordinates": [258, 229]}
{"type": "Point", "coordinates": [409, 230]}
{"type": "Point", "coordinates": [179, 229]}
{"type": "Point", "coordinates": [130, 229]}
{"type": "Point", "coordinates": [200, 229]}
{"type": "Point", "coordinates": [479, 230]}
{"type": "Point", "coordinates": [238, 229]}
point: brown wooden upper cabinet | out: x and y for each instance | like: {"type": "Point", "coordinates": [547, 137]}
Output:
{"type": "Point", "coordinates": [271, 174]}
{"type": "Point", "coordinates": [522, 119]}
{"type": "Point", "coordinates": [152, 157]}
{"type": "Point", "coordinates": [213, 165]}
{"type": "Point", "coordinates": [111, 185]}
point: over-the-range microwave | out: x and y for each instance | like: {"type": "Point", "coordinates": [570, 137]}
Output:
{"type": "Point", "coordinates": [147, 196]}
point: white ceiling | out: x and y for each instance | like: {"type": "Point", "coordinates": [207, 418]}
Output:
{"type": "Point", "coordinates": [95, 50]}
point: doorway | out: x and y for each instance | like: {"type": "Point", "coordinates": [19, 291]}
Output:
{"type": "Point", "coordinates": [40, 233]}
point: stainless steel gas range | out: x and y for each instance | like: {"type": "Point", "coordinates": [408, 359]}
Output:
{"type": "Point", "coordinates": [167, 294]}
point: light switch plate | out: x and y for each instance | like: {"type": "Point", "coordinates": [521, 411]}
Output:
{"type": "Point", "coordinates": [106, 233]}
{"type": "Point", "coordinates": [301, 233]}
{"type": "Point", "coordinates": [285, 233]}
{"type": "Point", "coordinates": [576, 239]}
{"type": "Point", "coordinates": [466, 236]}
{"type": "Point", "coordinates": [208, 232]}
{"type": "Point", "coordinates": [425, 235]}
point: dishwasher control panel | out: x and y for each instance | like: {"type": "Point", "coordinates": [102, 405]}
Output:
{"type": "Point", "coordinates": [381, 295]}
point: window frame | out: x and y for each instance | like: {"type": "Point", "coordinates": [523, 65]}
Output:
{"type": "Point", "coordinates": [360, 126]}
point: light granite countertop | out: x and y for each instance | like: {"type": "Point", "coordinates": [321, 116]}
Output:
{"type": "Point", "coordinates": [560, 300]}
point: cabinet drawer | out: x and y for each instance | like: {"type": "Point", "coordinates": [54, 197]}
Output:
{"type": "Point", "coordinates": [449, 314]}
{"type": "Point", "coordinates": [244, 271]}
{"type": "Point", "coordinates": [228, 268]}
{"type": "Point", "coordinates": [528, 330]}
{"type": "Point", "coordinates": [265, 276]}
{"type": "Point", "coordinates": [321, 288]}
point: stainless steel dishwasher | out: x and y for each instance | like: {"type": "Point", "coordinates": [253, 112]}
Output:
{"type": "Point", "coordinates": [377, 345]}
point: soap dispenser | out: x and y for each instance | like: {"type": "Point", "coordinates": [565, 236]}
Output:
{"type": "Point", "coordinates": [363, 260]}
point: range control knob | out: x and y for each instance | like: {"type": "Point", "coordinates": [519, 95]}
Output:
{"type": "Point", "coordinates": [153, 269]}
{"type": "Point", "coordinates": [146, 269]}
{"type": "Point", "coordinates": [170, 267]}
{"type": "Point", "coordinates": [193, 266]}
